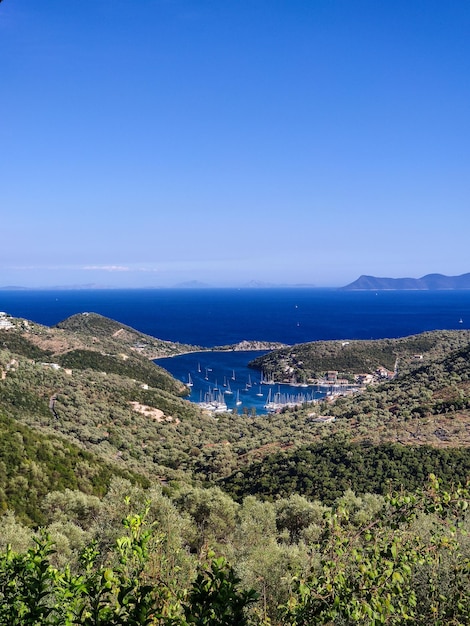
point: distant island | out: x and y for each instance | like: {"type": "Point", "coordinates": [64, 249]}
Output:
{"type": "Point", "coordinates": [430, 281]}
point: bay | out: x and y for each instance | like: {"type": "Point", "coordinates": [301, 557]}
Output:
{"type": "Point", "coordinates": [215, 317]}
{"type": "Point", "coordinates": [224, 376]}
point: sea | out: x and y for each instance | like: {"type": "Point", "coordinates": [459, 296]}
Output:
{"type": "Point", "coordinates": [216, 317]}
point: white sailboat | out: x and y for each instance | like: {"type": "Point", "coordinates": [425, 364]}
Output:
{"type": "Point", "coordinates": [214, 403]}
{"type": "Point", "coordinates": [228, 390]}
{"type": "Point", "coordinates": [190, 381]}
{"type": "Point", "coordinates": [238, 401]}
{"type": "Point", "coordinates": [268, 401]}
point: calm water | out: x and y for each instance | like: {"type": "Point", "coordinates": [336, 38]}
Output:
{"type": "Point", "coordinates": [226, 375]}
{"type": "Point", "coordinates": [212, 317]}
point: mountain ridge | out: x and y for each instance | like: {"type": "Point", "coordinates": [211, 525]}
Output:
{"type": "Point", "coordinates": [427, 282]}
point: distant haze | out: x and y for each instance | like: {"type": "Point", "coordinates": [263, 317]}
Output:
{"type": "Point", "coordinates": [363, 283]}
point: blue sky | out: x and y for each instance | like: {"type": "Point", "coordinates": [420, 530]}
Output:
{"type": "Point", "coordinates": [153, 142]}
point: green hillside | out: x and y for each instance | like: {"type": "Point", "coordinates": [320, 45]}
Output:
{"type": "Point", "coordinates": [95, 329]}
{"type": "Point", "coordinates": [326, 470]}
{"type": "Point", "coordinates": [92, 432]}
{"type": "Point", "coordinates": [118, 405]}
{"type": "Point", "coordinates": [312, 360]}
{"type": "Point", "coordinates": [33, 464]}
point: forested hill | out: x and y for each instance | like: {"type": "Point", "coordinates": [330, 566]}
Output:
{"type": "Point", "coordinates": [430, 281]}
{"type": "Point", "coordinates": [94, 328]}
{"type": "Point", "coordinates": [92, 342]}
{"type": "Point", "coordinates": [92, 432]}
{"type": "Point", "coordinates": [326, 470]}
{"type": "Point", "coordinates": [311, 360]}
{"type": "Point", "coordinates": [34, 464]}
{"type": "Point", "coordinates": [88, 381]}
{"type": "Point", "coordinates": [390, 435]}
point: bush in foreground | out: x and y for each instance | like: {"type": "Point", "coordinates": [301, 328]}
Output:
{"type": "Point", "coordinates": [406, 562]}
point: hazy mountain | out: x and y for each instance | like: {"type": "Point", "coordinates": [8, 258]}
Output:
{"type": "Point", "coordinates": [259, 284]}
{"type": "Point", "coordinates": [191, 284]}
{"type": "Point", "coordinates": [430, 281]}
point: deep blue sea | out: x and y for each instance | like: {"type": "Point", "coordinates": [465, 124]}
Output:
{"type": "Point", "coordinates": [214, 317]}
{"type": "Point", "coordinates": [210, 317]}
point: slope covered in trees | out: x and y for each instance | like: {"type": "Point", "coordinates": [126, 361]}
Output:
{"type": "Point", "coordinates": [326, 470]}
{"type": "Point", "coordinates": [82, 408]}
{"type": "Point", "coordinates": [96, 329]}
{"type": "Point", "coordinates": [32, 465]}
{"type": "Point", "coordinates": [312, 360]}
{"type": "Point", "coordinates": [121, 407]}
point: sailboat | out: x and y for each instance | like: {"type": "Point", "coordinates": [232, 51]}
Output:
{"type": "Point", "coordinates": [268, 401]}
{"type": "Point", "coordinates": [228, 390]}
{"type": "Point", "coordinates": [238, 401]}
{"type": "Point", "coordinates": [233, 374]}
{"type": "Point", "coordinates": [260, 393]}
{"type": "Point", "coordinates": [190, 381]}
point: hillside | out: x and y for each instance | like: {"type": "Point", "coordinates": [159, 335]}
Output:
{"type": "Point", "coordinates": [92, 432]}
{"type": "Point", "coordinates": [91, 341]}
{"type": "Point", "coordinates": [310, 361]}
{"type": "Point", "coordinates": [86, 383]}
{"type": "Point", "coordinates": [390, 434]}
{"type": "Point", "coordinates": [430, 281]}
{"type": "Point", "coordinates": [326, 470]}
{"type": "Point", "coordinates": [95, 330]}
{"type": "Point", "coordinates": [34, 464]}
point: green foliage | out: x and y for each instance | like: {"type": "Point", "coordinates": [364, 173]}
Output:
{"type": "Point", "coordinates": [213, 512]}
{"type": "Point", "coordinates": [363, 558]}
{"type": "Point", "coordinates": [32, 465]}
{"type": "Point", "coordinates": [326, 470]}
{"type": "Point", "coordinates": [26, 581]}
{"type": "Point", "coordinates": [33, 592]}
{"type": "Point", "coordinates": [14, 533]}
{"type": "Point", "coordinates": [139, 369]}
{"type": "Point", "coordinates": [355, 357]}
{"type": "Point", "coordinates": [369, 575]}
{"type": "Point", "coordinates": [215, 600]}
{"type": "Point", "coordinates": [406, 559]}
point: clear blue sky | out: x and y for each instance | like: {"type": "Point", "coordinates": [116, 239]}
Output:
{"type": "Point", "coordinates": [159, 141]}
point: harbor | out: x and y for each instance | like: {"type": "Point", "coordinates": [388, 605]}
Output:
{"type": "Point", "coordinates": [222, 382]}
